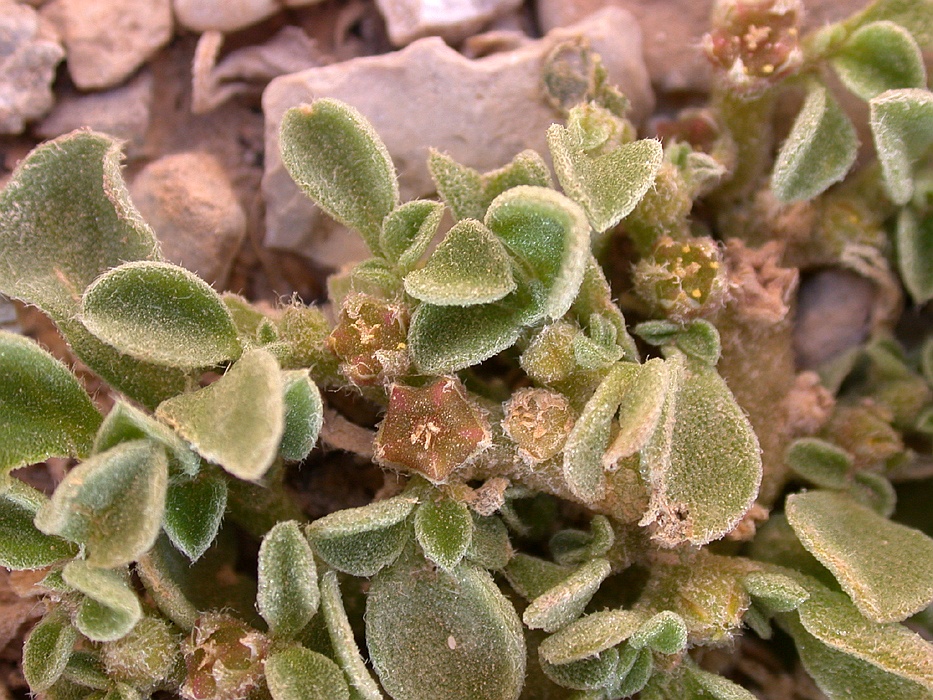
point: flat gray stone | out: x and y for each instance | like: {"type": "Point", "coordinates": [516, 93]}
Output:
{"type": "Point", "coordinates": [453, 20]}
{"type": "Point", "coordinates": [29, 52]}
{"type": "Point", "coordinates": [481, 112]}
{"type": "Point", "coordinates": [190, 204]}
{"type": "Point", "coordinates": [229, 15]}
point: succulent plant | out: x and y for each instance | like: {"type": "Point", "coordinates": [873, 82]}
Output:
{"type": "Point", "coordinates": [581, 507]}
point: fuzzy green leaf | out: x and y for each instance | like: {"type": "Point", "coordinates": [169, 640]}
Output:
{"type": "Point", "coordinates": [44, 411]}
{"type": "Point", "coordinates": [297, 673]}
{"type": "Point", "coordinates": [444, 529]}
{"type": "Point", "coordinates": [288, 593]}
{"type": "Point", "coordinates": [547, 232]}
{"type": "Point", "coordinates": [161, 313]}
{"type": "Point", "coordinates": [66, 217]}
{"type": "Point", "coordinates": [124, 423]}
{"type": "Point", "coordinates": [886, 567]}
{"type": "Point", "coordinates": [590, 635]}
{"type": "Point", "coordinates": [640, 665]}
{"type": "Point", "coordinates": [902, 126]}
{"type": "Point", "coordinates": [194, 509]}
{"type": "Point", "coordinates": [688, 682]}
{"type": "Point", "coordinates": [639, 411]}
{"type": "Point", "coordinates": [238, 421]}
{"type": "Point", "coordinates": [702, 464]}
{"type": "Point", "coordinates": [700, 340]}
{"type": "Point", "coordinates": [819, 150]}
{"type": "Point", "coordinates": [608, 186]}
{"type": "Point", "coordinates": [445, 339]}
{"type": "Point", "coordinates": [451, 632]}
{"type": "Point", "coordinates": [334, 155]}
{"type": "Point", "coordinates": [916, 16]}
{"type": "Point", "coordinates": [775, 592]}
{"type": "Point", "coordinates": [343, 642]}
{"type": "Point", "coordinates": [915, 254]}
{"type": "Point", "coordinates": [470, 266]}
{"type": "Point", "coordinates": [880, 56]}
{"type": "Point", "coordinates": [820, 462]}
{"type": "Point", "coordinates": [587, 674]}
{"type": "Point", "coordinates": [408, 231]}
{"type": "Point", "coordinates": [587, 442]}
{"type": "Point", "coordinates": [112, 503]}
{"type": "Point", "coordinates": [664, 633]}
{"type": "Point", "coordinates": [531, 576]}
{"type": "Point", "coordinates": [572, 547]}
{"type": "Point", "coordinates": [22, 545]}
{"type": "Point", "coordinates": [47, 650]}
{"type": "Point", "coordinates": [361, 541]}
{"type": "Point", "coordinates": [489, 546]}
{"type": "Point", "coordinates": [892, 648]}
{"type": "Point", "coordinates": [564, 603]}
{"type": "Point", "coordinates": [163, 572]}
{"type": "Point", "coordinates": [304, 415]}
{"type": "Point", "coordinates": [110, 609]}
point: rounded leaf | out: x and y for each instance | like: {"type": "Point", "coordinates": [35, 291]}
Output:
{"type": "Point", "coordinates": [159, 312]}
{"type": "Point", "coordinates": [22, 545]}
{"type": "Point", "coordinates": [915, 254]}
{"type": "Point", "coordinates": [586, 674]}
{"type": "Point", "coordinates": [297, 673]}
{"type": "Point", "coordinates": [47, 650]}
{"type": "Point", "coordinates": [304, 415]}
{"type": "Point", "coordinates": [443, 634]}
{"type": "Point", "coordinates": [565, 602]}
{"type": "Point", "coordinates": [408, 231]}
{"type": "Point", "coordinates": [590, 635]}
{"type": "Point", "coordinates": [880, 56]}
{"type": "Point", "coordinates": [194, 509]}
{"type": "Point", "coordinates": [820, 462]}
{"type": "Point", "coordinates": [819, 150]}
{"type": "Point", "coordinates": [110, 609]}
{"type": "Point", "coordinates": [288, 595]}
{"type": "Point", "coordinates": [902, 127]}
{"type": "Point", "coordinates": [334, 155]}
{"type": "Point", "coordinates": [44, 410]}
{"type": "Point", "coordinates": [444, 529]}
{"type": "Point", "coordinates": [469, 267]}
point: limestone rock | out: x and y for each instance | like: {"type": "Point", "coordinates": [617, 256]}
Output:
{"type": "Point", "coordinates": [481, 112]}
{"type": "Point", "coordinates": [190, 204]}
{"type": "Point", "coordinates": [672, 30]}
{"type": "Point", "coordinates": [229, 15]}
{"type": "Point", "coordinates": [107, 40]}
{"type": "Point", "coordinates": [29, 52]}
{"type": "Point", "coordinates": [454, 20]}
{"type": "Point", "coordinates": [122, 112]}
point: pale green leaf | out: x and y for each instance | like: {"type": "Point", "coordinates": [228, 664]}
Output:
{"type": "Point", "coordinates": [408, 231]}
{"type": "Point", "coordinates": [161, 313]}
{"type": "Point", "coordinates": [531, 576]}
{"type": "Point", "coordinates": [564, 603]}
{"type": "Point", "coordinates": [304, 415]}
{"type": "Point", "coordinates": [587, 442]}
{"type": "Point", "coordinates": [916, 16]}
{"type": "Point", "coordinates": [609, 185]}
{"type": "Point", "coordinates": [297, 673]}
{"type": "Point", "coordinates": [571, 547]}
{"type": "Point", "coordinates": [470, 266]}
{"type": "Point", "coordinates": [444, 529]}
{"type": "Point", "coordinates": [902, 126]}
{"type": "Point", "coordinates": [44, 411]}
{"type": "Point", "coordinates": [288, 593]}
{"type": "Point", "coordinates": [22, 545]}
{"type": "Point", "coordinates": [689, 682]}
{"type": "Point", "coordinates": [112, 503]}
{"type": "Point", "coordinates": [361, 541]}
{"type": "Point", "coordinates": [819, 150]}
{"type": "Point", "coordinates": [489, 546]}
{"type": "Point", "coordinates": [238, 421]}
{"type": "Point", "coordinates": [342, 641]}
{"type": "Point", "coordinates": [194, 509]}
{"type": "Point", "coordinates": [700, 340]}
{"type": "Point", "coordinates": [66, 217]}
{"type": "Point", "coordinates": [163, 572]}
{"type": "Point", "coordinates": [547, 232]}
{"type": "Point", "coordinates": [775, 592]}
{"type": "Point", "coordinates": [47, 650]}
{"type": "Point", "coordinates": [334, 155]}
{"type": "Point", "coordinates": [820, 462]}
{"type": "Point", "coordinates": [639, 411]}
{"type": "Point", "coordinates": [590, 635]}
{"type": "Point", "coordinates": [443, 632]}
{"type": "Point", "coordinates": [886, 567]}
{"type": "Point", "coordinates": [915, 254]}
{"type": "Point", "coordinates": [640, 670]}
{"type": "Point", "coordinates": [702, 464]}
{"type": "Point", "coordinates": [665, 633]}
{"type": "Point", "coordinates": [124, 422]}
{"type": "Point", "coordinates": [586, 674]}
{"type": "Point", "coordinates": [86, 669]}
{"type": "Point", "coordinates": [880, 56]}
{"type": "Point", "coordinates": [110, 608]}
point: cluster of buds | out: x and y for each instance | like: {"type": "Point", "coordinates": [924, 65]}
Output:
{"type": "Point", "coordinates": [755, 43]}
{"type": "Point", "coordinates": [371, 340]}
{"type": "Point", "coordinates": [224, 659]}
{"type": "Point", "coordinates": [683, 280]}
{"type": "Point", "coordinates": [538, 421]}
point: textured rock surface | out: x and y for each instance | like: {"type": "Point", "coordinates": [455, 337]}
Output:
{"type": "Point", "coordinates": [123, 112]}
{"type": "Point", "coordinates": [29, 52]}
{"type": "Point", "coordinates": [190, 204]}
{"type": "Point", "coordinates": [229, 15]}
{"type": "Point", "coordinates": [672, 30]}
{"type": "Point", "coordinates": [481, 112]}
{"type": "Point", "coordinates": [454, 20]}
{"type": "Point", "coordinates": [106, 40]}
